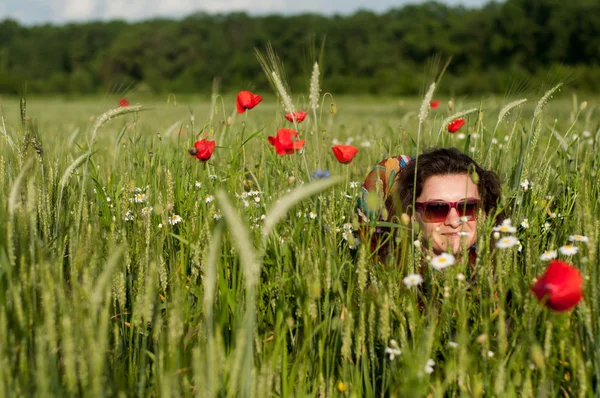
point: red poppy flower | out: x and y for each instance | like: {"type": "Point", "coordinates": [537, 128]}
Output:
{"type": "Point", "coordinates": [284, 143]}
{"type": "Point", "coordinates": [123, 102]}
{"type": "Point", "coordinates": [247, 100]}
{"type": "Point", "coordinates": [561, 285]}
{"type": "Point", "coordinates": [203, 149]}
{"type": "Point", "coordinates": [434, 104]}
{"type": "Point", "coordinates": [455, 125]}
{"type": "Point", "coordinates": [299, 116]}
{"type": "Point", "coordinates": [344, 153]}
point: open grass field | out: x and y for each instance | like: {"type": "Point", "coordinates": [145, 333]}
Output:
{"type": "Point", "coordinates": [130, 268]}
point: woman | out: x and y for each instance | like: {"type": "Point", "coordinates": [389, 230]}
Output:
{"type": "Point", "coordinates": [448, 189]}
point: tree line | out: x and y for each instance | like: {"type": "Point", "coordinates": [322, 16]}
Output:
{"type": "Point", "coordinates": [493, 47]}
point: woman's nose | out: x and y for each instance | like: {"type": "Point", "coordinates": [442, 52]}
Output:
{"type": "Point", "coordinates": [453, 219]}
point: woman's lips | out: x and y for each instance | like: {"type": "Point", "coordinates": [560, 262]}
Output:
{"type": "Point", "coordinates": [454, 235]}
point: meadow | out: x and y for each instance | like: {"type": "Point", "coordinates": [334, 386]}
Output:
{"type": "Point", "coordinates": [130, 268]}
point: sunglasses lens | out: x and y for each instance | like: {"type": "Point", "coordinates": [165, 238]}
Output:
{"type": "Point", "coordinates": [436, 212]}
{"type": "Point", "coordinates": [467, 209]}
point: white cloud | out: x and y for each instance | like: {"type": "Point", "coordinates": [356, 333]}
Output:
{"type": "Point", "coordinates": [61, 11]}
{"type": "Point", "coordinates": [78, 10]}
{"type": "Point", "coordinates": [141, 9]}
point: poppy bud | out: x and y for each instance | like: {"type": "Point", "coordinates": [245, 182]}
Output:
{"type": "Point", "coordinates": [192, 151]}
{"type": "Point", "coordinates": [405, 218]}
{"type": "Point", "coordinates": [475, 177]}
{"type": "Point", "coordinates": [332, 109]}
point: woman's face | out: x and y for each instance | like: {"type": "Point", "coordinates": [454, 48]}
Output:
{"type": "Point", "coordinates": [453, 232]}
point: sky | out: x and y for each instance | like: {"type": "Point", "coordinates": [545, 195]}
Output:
{"type": "Point", "coordinates": [30, 12]}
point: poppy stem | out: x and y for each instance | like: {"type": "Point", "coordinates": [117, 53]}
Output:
{"type": "Point", "coordinates": [316, 126]}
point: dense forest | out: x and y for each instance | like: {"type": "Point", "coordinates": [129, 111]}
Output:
{"type": "Point", "coordinates": [491, 47]}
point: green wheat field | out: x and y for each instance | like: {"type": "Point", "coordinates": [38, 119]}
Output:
{"type": "Point", "coordinates": [130, 268]}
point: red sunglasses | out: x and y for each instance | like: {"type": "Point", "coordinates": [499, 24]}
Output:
{"type": "Point", "coordinates": [437, 211]}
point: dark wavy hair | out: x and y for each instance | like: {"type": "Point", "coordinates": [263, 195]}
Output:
{"type": "Point", "coordinates": [447, 161]}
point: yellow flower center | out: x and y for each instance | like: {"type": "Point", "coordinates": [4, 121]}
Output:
{"type": "Point", "coordinates": [442, 260]}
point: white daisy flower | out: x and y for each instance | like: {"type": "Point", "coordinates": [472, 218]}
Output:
{"type": "Point", "coordinates": [505, 227]}
{"type": "Point", "coordinates": [174, 219]}
{"type": "Point", "coordinates": [128, 216]}
{"type": "Point", "coordinates": [393, 350]}
{"type": "Point", "coordinates": [257, 199]}
{"type": "Point", "coordinates": [506, 138]}
{"type": "Point", "coordinates": [460, 276]}
{"type": "Point", "coordinates": [365, 144]}
{"type": "Point", "coordinates": [312, 215]}
{"type": "Point", "coordinates": [147, 210]}
{"type": "Point", "coordinates": [213, 177]}
{"type": "Point", "coordinates": [586, 134]}
{"type": "Point", "coordinates": [354, 184]}
{"type": "Point", "coordinates": [546, 226]}
{"type": "Point", "coordinates": [139, 198]}
{"type": "Point", "coordinates": [209, 198]}
{"type": "Point", "coordinates": [579, 238]}
{"type": "Point", "coordinates": [548, 255]}
{"type": "Point", "coordinates": [525, 223]}
{"type": "Point", "coordinates": [198, 185]}
{"type": "Point", "coordinates": [160, 226]}
{"type": "Point", "coordinates": [429, 366]}
{"type": "Point", "coordinates": [217, 215]}
{"type": "Point", "coordinates": [413, 280]}
{"type": "Point", "coordinates": [461, 136]}
{"type": "Point", "coordinates": [452, 344]}
{"type": "Point", "coordinates": [442, 261]}
{"type": "Point", "coordinates": [494, 141]}
{"type": "Point", "coordinates": [490, 354]}
{"type": "Point", "coordinates": [417, 244]}
{"type": "Point", "coordinates": [568, 250]}
{"type": "Point", "coordinates": [525, 184]}
{"type": "Point", "coordinates": [507, 242]}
